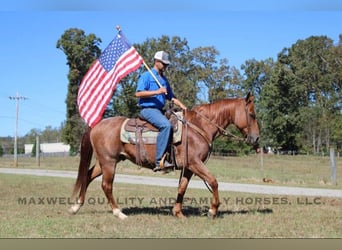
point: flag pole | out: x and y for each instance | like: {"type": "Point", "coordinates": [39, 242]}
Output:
{"type": "Point", "coordinates": [154, 77]}
{"type": "Point", "coordinates": [146, 66]}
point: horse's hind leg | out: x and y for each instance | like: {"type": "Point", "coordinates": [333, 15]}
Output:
{"type": "Point", "coordinates": [93, 172]}
{"type": "Point", "coordinates": [108, 171]}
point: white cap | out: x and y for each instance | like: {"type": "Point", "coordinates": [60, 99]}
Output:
{"type": "Point", "coordinates": [162, 56]}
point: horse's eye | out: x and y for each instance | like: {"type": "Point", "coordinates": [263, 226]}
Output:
{"type": "Point", "coordinates": [253, 116]}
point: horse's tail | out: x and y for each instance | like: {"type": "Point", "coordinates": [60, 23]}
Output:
{"type": "Point", "coordinates": [86, 154]}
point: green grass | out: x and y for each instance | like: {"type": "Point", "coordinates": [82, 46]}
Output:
{"type": "Point", "coordinates": [150, 219]}
{"type": "Point", "coordinates": [308, 171]}
{"type": "Point", "coordinates": [240, 216]}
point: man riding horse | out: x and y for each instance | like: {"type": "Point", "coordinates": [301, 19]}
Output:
{"type": "Point", "coordinates": [152, 97]}
{"type": "Point", "coordinates": [203, 124]}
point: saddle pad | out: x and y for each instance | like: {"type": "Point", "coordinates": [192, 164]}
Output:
{"type": "Point", "coordinates": [149, 137]}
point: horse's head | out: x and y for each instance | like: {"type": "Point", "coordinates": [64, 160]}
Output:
{"type": "Point", "coordinates": [247, 121]}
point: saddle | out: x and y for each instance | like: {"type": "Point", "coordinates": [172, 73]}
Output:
{"type": "Point", "coordinates": [139, 132]}
{"type": "Point", "coordinates": [134, 123]}
{"type": "Point", "coordinates": [135, 130]}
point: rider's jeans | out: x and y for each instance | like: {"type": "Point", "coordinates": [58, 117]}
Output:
{"type": "Point", "coordinates": [158, 119]}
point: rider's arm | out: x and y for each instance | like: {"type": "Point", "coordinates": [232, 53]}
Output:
{"type": "Point", "coordinates": [149, 93]}
{"type": "Point", "coordinates": [178, 103]}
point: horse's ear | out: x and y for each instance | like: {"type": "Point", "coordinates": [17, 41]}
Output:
{"type": "Point", "coordinates": [249, 97]}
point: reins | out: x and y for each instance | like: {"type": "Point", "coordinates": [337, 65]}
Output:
{"type": "Point", "coordinates": [186, 125]}
{"type": "Point", "coordinates": [221, 130]}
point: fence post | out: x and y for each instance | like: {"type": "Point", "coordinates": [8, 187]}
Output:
{"type": "Point", "coordinates": [37, 151]}
{"type": "Point", "coordinates": [333, 166]}
{"type": "Point", "coordinates": [262, 162]}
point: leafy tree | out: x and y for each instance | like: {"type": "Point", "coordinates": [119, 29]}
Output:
{"type": "Point", "coordinates": [278, 122]}
{"type": "Point", "coordinates": [34, 149]}
{"type": "Point", "coordinates": [50, 134]}
{"type": "Point", "coordinates": [256, 75]}
{"type": "Point", "coordinates": [30, 137]}
{"type": "Point", "coordinates": [81, 50]}
{"type": "Point", "coordinates": [335, 69]}
{"type": "Point", "coordinates": [7, 144]}
{"type": "Point", "coordinates": [300, 99]}
{"type": "Point", "coordinates": [310, 66]}
{"type": "Point", "coordinates": [213, 74]}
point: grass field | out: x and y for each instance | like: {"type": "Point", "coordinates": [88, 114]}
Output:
{"type": "Point", "coordinates": [36, 207]}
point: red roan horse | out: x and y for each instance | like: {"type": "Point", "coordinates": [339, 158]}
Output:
{"type": "Point", "coordinates": [204, 123]}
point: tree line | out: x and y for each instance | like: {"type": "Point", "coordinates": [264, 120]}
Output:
{"type": "Point", "coordinates": [47, 135]}
{"type": "Point", "coordinates": [298, 94]}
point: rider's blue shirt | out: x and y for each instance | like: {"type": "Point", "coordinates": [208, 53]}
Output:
{"type": "Point", "coordinates": [146, 82]}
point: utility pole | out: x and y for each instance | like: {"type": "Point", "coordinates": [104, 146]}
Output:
{"type": "Point", "coordinates": [16, 98]}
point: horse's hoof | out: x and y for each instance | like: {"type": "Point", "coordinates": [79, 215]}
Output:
{"type": "Point", "coordinates": [211, 214]}
{"type": "Point", "coordinates": [117, 212]}
{"type": "Point", "coordinates": [178, 214]}
{"type": "Point", "coordinates": [74, 208]}
{"type": "Point", "coordinates": [71, 211]}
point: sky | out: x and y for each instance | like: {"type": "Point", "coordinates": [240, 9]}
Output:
{"type": "Point", "coordinates": [32, 67]}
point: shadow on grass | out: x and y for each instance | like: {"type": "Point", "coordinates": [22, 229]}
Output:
{"type": "Point", "coordinates": [190, 211]}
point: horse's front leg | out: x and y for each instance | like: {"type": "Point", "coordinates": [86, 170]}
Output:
{"type": "Point", "coordinates": [177, 209]}
{"type": "Point", "coordinates": [215, 202]}
{"type": "Point", "coordinates": [202, 172]}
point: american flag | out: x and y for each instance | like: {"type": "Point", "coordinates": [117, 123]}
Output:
{"type": "Point", "coordinates": [99, 83]}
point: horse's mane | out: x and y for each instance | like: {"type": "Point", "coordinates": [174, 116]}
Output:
{"type": "Point", "coordinates": [218, 110]}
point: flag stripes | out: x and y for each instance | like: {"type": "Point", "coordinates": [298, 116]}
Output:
{"type": "Point", "coordinates": [98, 85]}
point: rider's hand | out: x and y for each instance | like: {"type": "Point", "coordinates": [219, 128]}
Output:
{"type": "Point", "coordinates": [162, 90]}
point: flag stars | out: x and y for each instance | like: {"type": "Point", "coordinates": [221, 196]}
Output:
{"type": "Point", "coordinates": [112, 53]}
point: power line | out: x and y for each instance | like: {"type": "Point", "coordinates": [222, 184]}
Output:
{"type": "Point", "coordinates": [17, 97]}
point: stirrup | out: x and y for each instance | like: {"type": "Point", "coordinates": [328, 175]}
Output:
{"type": "Point", "coordinates": [163, 165]}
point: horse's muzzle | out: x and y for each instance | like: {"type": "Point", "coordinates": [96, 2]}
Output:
{"type": "Point", "coordinates": [253, 140]}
